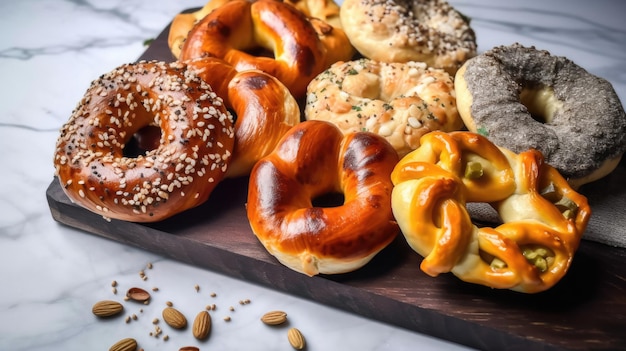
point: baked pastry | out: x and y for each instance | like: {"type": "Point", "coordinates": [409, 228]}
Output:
{"type": "Point", "coordinates": [325, 10]}
{"type": "Point", "coordinates": [429, 31]}
{"type": "Point", "coordinates": [543, 217]}
{"type": "Point", "coordinates": [263, 108]}
{"type": "Point", "coordinates": [314, 159]}
{"type": "Point", "coordinates": [399, 101]}
{"type": "Point", "coordinates": [523, 98]}
{"type": "Point", "coordinates": [195, 146]}
{"type": "Point", "coordinates": [270, 36]}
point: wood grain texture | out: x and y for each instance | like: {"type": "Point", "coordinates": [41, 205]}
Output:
{"type": "Point", "coordinates": [586, 310]}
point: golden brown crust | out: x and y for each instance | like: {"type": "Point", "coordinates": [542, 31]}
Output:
{"type": "Point", "coordinates": [315, 158]}
{"type": "Point", "coordinates": [544, 218]}
{"type": "Point", "coordinates": [183, 22]}
{"type": "Point", "coordinates": [264, 110]}
{"type": "Point", "coordinates": [236, 29]}
{"type": "Point", "coordinates": [324, 10]}
{"type": "Point", "coordinates": [196, 142]}
{"type": "Point", "coordinates": [399, 101]}
{"type": "Point", "coordinates": [429, 31]}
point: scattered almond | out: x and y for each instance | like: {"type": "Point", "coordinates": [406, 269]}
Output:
{"type": "Point", "coordinates": [174, 318]}
{"type": "Point", "coordinates": [202, 325]}
{"type": "Point", "coordinates": [107, 308]}
{"type": "Point", "coordinates": [128, 344]}
{"type": "Point", "coordinates": [138, 294]}
{"type": "Point", "coordinates": [274, 318]}
{"type": "Point", "coordinates": [295, 338]}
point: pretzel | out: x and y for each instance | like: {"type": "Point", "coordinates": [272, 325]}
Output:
{"type": "Point", "coordinates": [543, 217]}
{"type": "Point", "coordinates": [325, 10]}
{"type": "Point", "coordinates": [314, 159]}
{"type": "Point", "coordinates": [263, 108]}
{"type": "Point", "coordinates": [271, 36]}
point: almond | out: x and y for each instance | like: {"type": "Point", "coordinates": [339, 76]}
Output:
{"type": "Point", "coordinates": [174, 318]}
{"type": "Point", "coordinates": [274, 318]}
{"type": "Point", "coordinates": [128, 344]}
{"type": "Point", "coordinates": [202, 325]}
{"type": "Point", "coordinates": [107, 308]}
{"type": "Point", "coordinates": [295, 338]}
{"type": "Point", "coordinates": [138, 294]}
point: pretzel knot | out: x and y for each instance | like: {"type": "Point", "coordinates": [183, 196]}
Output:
{"type": "Point", "coordinates": [543, 218]}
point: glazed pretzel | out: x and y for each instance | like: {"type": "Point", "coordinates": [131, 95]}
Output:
{"type": "Point", "coordinates": [543, 218]}
{"type": "Point", "coordinates": [271, 36]}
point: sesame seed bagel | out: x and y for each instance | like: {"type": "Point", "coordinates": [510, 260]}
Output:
{"type": "Point", "coordinates": [430, 31]}
{"type": "Point", "coordinates": [523, 98]}
{"type": "Point", "coordinates": [399, 101]}
{"type": "Point", "coordinates": [197, 138]}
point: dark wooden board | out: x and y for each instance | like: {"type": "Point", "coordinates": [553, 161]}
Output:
{"type": "Point", "coordinates": [586, 310]}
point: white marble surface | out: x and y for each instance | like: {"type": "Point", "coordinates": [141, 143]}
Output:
{"type": "Point", "coordinates": [51, 275]}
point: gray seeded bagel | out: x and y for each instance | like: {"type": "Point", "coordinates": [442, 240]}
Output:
{"type": "Point", "coordinates": [523, 98]}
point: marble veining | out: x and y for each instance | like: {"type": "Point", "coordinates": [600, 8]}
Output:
{"type": "Point", "coordinates": [51, 275]}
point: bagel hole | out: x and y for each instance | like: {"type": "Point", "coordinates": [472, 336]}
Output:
{"type": "Point", "coordinates": [328, 200]}
{"type": "Point", "coordinates": [145, 139]}
{"type": "Point", "coordinates": [540, 102]}
{"type": "Point", "coordinates": [260, 51]}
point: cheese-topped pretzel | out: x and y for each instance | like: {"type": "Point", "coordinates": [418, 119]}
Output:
{"type": "Point", "coordinates": [543, 217]}
{"type": "Point", "coordinates": [271, 36]}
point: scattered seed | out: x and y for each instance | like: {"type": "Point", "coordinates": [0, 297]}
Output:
{"type": "Point", "coordinates": [197, 287]}
{"type": "Point", "coordinates": [169, 303]}
{"type": "Point", "coordinates": [124, 345]}
{"type": "Point", "coordinates": [107, 308]}
{"type": "Point", "coordinates": [227, 319]}
{"type": "Point", "coordinates": [295, 338]}
{"type": "Point", "coordinates": [274, 318]}
{"type": "Point", "coordinates": [138, 294]}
